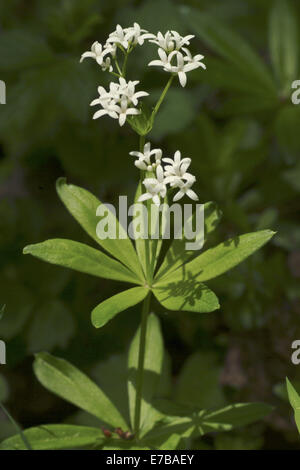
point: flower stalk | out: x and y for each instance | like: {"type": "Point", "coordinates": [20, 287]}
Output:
{"type": "Point", "coordinates": [141, 362]}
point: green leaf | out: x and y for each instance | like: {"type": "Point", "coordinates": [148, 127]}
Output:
{"type": "Point", "coordinates": [284, 47]}
{"type": "Point", "coordinates": [204, 421]}
{"type": "Point", "coordinates": [82, 258]}
{"type": "Point", "coordinates": [185, 294]}
{"type": "Point", "coordinates": [231, 46]}
{"type": "Point", "coordinates": [232, 416]}
{"type": "Point", "coordinates": [66, 381]}
{"type": "Point", "coordinates": [154, 353]}
{"type": "Point", "coordinates": [294, 400]}
{"type": "Point", "coordinates": [108, 309]}
{"type": "Point", "coordinates": [177, 253]}
{"type": "Point", "coordinates": [83, 206]}
{"type": "Point", "coordinates": [142, 123]}
{"type": "Point", "coordinates": [55, 437]}
{"type": "Point", "coordinates": [218, 260]}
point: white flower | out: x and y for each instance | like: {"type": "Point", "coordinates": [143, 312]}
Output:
{"type": "Point", "coordinates": [177, 167]}
{"type": "Point", "coordinates": [182, 66]}
{"type": "Point", "coordinates": [128, 90]}
{"type": "Point", "coordinates": [106, 65]}
{"type": "Point", "coordinates": [144, 159]}
{"type": "Point", "coordinates": [170, 41]}
{"type": "Point", "coordinates": [165, 60]}
{"type": "Point", "coordinates": [176, 175]}
{"type": "Point", "coordinates": [119, 101]}
{"type": "Point", "coordinates": [97, 52]}
{"type": "Point", "coordinates": [185, 188]}
{"type": "Point", "coordinates": [137, 35]}
{"type": "Point", "coordinates": [155, 187]}
{"type": "Point", "coordinates": [128, 36]}
{"type": "Point", "coordinates": [123, 110]}
{"type": "Point", "coordinates": [118, 37]}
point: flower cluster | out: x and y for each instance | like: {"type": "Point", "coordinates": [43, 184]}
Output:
{"type": "Point", "coordinates": [174, 173]}
{"type": "Point", "coordinates": [119, 101]}
{"type": "Point", "coordinates": [174, 56]}
{"type": "Point", "coordinates": [126, 39]}
{"type": "Point", "coordinates": [122, 100]}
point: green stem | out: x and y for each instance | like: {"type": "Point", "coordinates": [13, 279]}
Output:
{"type": "Point", "coordinates": [125, 64]}
{"type": "Point", "coordinates": [162, 96]}
{"type": "Point", "coordinates": [118, 67]}
{"type": "Point", "coordinates": [141, 362]}
{"type": "Point", "coordinates": [17, 427]}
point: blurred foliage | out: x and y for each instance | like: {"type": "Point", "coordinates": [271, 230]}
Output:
{"type": "Point", "coordinates": [235, 120]}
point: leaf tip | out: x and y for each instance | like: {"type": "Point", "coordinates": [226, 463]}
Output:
{"type": "Point", "coordinates": [60, 182]}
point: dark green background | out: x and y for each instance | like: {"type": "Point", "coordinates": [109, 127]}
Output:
{"type": "Point", "coordinates": [244, 142]}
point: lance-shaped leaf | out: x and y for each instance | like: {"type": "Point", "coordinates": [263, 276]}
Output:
{"type": "Point", "coordinates": [83, 206]}
{"type": "Point", "coordinates": [177, 253]}
{"type": "Point", "coordinates": [204, 421]}
{"type": "Point", "coordinates": [116, 304]}
{"type": "Point", "coordinates": [186, 294]}
{"type": "Point", "coordinates": [55, 437]}
{"type": "Point", "coordinates": [284, 44]}
{"type": "Point", "coordinates": [294, 400]}
{"type": "Point", "coordinates": [154, 353]}
{"type": "Point", "coordinates": [232, 47]}
{"type": "Point", "coordinates": [66, 381]}
{"type": "Point", "coordinates": [81, 257]}
{"type": "Point", "coordinates": [218, 260]}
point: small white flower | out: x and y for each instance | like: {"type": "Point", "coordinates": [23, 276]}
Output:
{"type": "Point", "coordinates": [176, 175]}
{"type": "Point", "coordinates": [170, 41]}
{"type": "Point", "coordinates": [123, 110]}
{"type": "Point", "coordinates": [97, 52]}
{"type": "Point", "coordinates": [182, 67]}
{"type": "Point", "coordinates": [155, 187]}
{"type": "Point", "coordinates": [118, 37]}
{"type": "Point", "coordinates": [165, 60]}
{"type": "Point", "coordinates": [106, 65]}
{"type": "Point", "coordinates": [185, 188]}
{"type": "Point", "coordinates": [144, 159]}
{"type": "Point", "coordinates": [136, 35]}
{"type": "Point", "coordinates": [178, 166]}
{"type": "Point", "coordinates": [119, 101]}
{"type": "Point", "coordinates": [128, 90]}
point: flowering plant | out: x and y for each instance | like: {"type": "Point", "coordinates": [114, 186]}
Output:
{"type": "Point", "coordinates": [176, 279]}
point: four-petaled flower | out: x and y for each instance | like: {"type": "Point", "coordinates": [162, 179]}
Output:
{"type": "Point", "coordinates": [120, 101]}
{"type": "Point", "coordinates": [183, 63]}
{"type": "Point", "coordinates": [97, 52]}
{"type": "Point", "coordinates": [144, 158]}
{"type": "Point", "coordinates": [155, 187]}
{"type": "Point", "coordinates": [170, 41]}
{"type": "Point", "coordinates": [185, 188]}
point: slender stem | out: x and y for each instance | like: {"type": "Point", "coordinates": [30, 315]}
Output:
{"type": "Point", "coordinates": [142, 143]}
{"type": "Point", "coordinates": [125, 64]}
{"type": "Point", "coordinates": [17, 427]}
{"type": "Point", "coordinates": [141, 362]}
{"type": "Point", "coordinates": [118, 67]}
{"type": "Point", "coordinates": [162, 96]}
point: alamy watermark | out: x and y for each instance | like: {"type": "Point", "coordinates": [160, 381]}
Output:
{"type": "Point", "coordinates": [295, 358]}
{"type": "Point", "coordinates": [2, 92]}
{"type": "Point", "coordinates": [2, 353]}
{"type": "Point", "coordinates": [160, 222]}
